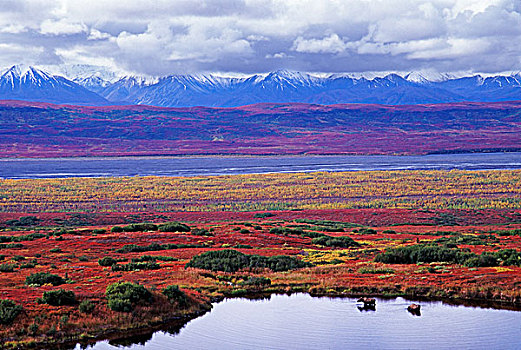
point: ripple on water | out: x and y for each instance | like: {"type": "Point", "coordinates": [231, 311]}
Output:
{"type": "Point", "coordinates": [302, 322]}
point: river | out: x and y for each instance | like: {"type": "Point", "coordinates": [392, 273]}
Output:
{"type": "Point", "coordinates": [27, 168]}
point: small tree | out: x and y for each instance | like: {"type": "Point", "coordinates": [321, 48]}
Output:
{"type": "Point", "coordinates": [174, 294]}
{"type": "Point", "coordinates": [59, 297]}
{"type": "Point", "coordinates": [41, 278]}
{"type": "Point", "coordinates": [8, 311]}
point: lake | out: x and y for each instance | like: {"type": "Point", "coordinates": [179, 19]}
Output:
{"type": "Point", "coordinates": [22, 168]}
{"type": "Point", "coordinates": [300, 321]}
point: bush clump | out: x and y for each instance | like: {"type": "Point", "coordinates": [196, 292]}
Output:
{"type": "Point", "coordinates": [41, 278]}
{"type": "Point", "coordinates": [341, 242]}
{"type": "Point", "coordinates": [256, 281]}
{"type": "Point", "coordinates": [107, 261]}
{"type": "Point", "coordinates": [230, 260]}
{"type": "Point", "coordinates": [86, 307]}
{"type": "Point", "coordinates": [136, 266]}
{"type": "Point", "coordinates": [143, 227]}
{"type": "Point", "coordinates": [124, 296]}
{"type": "Point", "coordinates": [422, 253]}
{"type": "Point", "coordinates": [174, 227]}
{"type": "Point", "coordinates": [263, 215]}
{"type": "Point", "coordinates": [175, 295]}
{"type": "Point", "coordinates": [59, 297]}
{"type": "Point", "coordinates": [9, 310]}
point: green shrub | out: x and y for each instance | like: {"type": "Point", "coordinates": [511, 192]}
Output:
{"type": "Point", "coordinates": [341, 242]}
{"type": "Point", "coordinates": [41, 278]}
{"type": "Point", "coordinates": [286, 231]}
{"type": "Point", "coordinates": [202, 232]}
{"type": "Point", "coordinates": [55, 250]}
{"type": "Point", "coordinates": [123, 296]}
{"type": "Point", "coordinates": [174, 294]}
{"type": "Point", "coordinates": [136, 266]}
{"type": "Point", "coordinates": [59, 297]}
{"type": "Point", "coordinates": [7, 267]}
{"type": "Point", "coordinates": [143, 227]}
{"type": "Point", "coordinates": [375, 270]}
{"type": "Point", "coordinates": [129, 248]}
{"type": "Point", "coordinates": [174, 227]}
{"type": "Point", "coordinates": [107, 261]}
{"type": "Point", "coordinates": [263, 215]}
{"type": "Point", "coordinates": [116, 229]}
{"type": "Point", "coordinates": [483, 260]}
{"type": "Point", "coordinates": [86, 307]}
{"type": "Point", "coordinates": [229, 260]}
{"type": "Point", "coordinates": [99, 231]}
{"type": "Point", "coordinates": [244, 231]}
{"type": "Point", "coordinates": [256, 281]}
{"type": "Point", "coordinates": [422, 253]}
{"type": "Point", "coordinates": [9, 310]}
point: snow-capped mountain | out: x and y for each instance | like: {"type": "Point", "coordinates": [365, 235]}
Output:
{"type": "Point", "coordinates": [99, 88]}
{"type": "Point", "coordinates": [32, 84]}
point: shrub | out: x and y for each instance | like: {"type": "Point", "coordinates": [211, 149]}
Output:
{"type": "Point", "coordinates": [244, 231]}
{"type": "Point", "coordinates": [483, 260]}
{"type": "Point", "coordinates": [123, 296]}
{"type": "Point", "coordinates": [174, 294]}
{"type": "Point", "coordinates": [86, 307]}
{"type": "Point", "coordinates": [7, 267]}
{"type": "Point", "coordinates": [286, 231]}
{"type": "Point", "coordinates": [136, 266]}
{"type": "Point", "coordinates": [140, 227]}
{"type": "Point", "coordinates": [422, 253]}
{"type": "Point", "coordinates": [342, 242]}
{"type": "Point", "coordinates": [174, 227]}
{"type": "Point", "coordinates": [116, 229]}
{"type": "Point", "coordinates": [8, 311]}
{"type": "Point", "coordinates": [256, 281]}
{"type": "Point", "coordinates": [232, 260]}
{"type": "Point", "coordinates": [375, 270]}
{"type": "Point", "coordinates": [59, 297]}
{"type": "Point", "coordinates": [41, 278]}
{"type": "Point", "coordinates": [202, 232]}
{"type": "Point", "coordinates": [55, 250]}
{"type": "Point", "coordinates": [99, 231]}
{"type": "Point", "coordinates": [263, 215]}
{"type": "Point", "coordinates": [107, 261]}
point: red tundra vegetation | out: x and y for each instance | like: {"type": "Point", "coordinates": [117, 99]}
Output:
{"type": "Point", "coordinates": [65, 272]}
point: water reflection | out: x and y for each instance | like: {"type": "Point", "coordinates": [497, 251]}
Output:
{"type": "Point", "coordinates": [300, 321]}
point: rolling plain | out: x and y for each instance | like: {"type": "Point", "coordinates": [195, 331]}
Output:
{"type": "Point", "coordinates": [69, 245]}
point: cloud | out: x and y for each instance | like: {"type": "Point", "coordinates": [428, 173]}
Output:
{"type": "Point", "coordinates": [330, 44]}
{"type": "Point", "coordinates": [160, 37]}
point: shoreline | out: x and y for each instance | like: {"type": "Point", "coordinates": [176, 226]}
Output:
{"type": "Point", "coordinates": [179, 322]}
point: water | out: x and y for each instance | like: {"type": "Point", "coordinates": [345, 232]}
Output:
{"type": "Point", "coordinates": [205, 166]}
{"type": "Point", "coordinates": [303, 322]}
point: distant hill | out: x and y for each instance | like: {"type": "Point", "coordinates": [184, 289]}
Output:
{"type": "Point", "coordinates": [44, 130]}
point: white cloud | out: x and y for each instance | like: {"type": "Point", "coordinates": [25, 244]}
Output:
{"type": "Point", "coordinates": [61, 27]}
{"type": "Point", "coordinates": [330, 44]}
{"type": "Point", "coordinates": [178, 36]}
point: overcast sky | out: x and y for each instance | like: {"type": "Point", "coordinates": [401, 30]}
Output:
{"type": "Point", "coordinates": [253, 36]}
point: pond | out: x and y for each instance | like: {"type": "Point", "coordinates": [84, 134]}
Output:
{"type": "Point", "coordinates": [300, 321]}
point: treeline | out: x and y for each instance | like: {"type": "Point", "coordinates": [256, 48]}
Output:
{"type": "Point", "coordinates": [424, 253]}
{"type": "Point", "coordinates": [230, 260]}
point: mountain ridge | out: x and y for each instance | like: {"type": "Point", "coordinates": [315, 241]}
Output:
{"type": "Point", "coordinates": [281, 86]}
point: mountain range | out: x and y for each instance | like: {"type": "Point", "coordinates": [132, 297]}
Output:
{"type": "Point", "coordinates": [32, 84]}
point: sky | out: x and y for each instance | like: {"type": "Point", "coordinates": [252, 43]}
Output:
{"type": "Point", "coordinates": [156, 37]}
